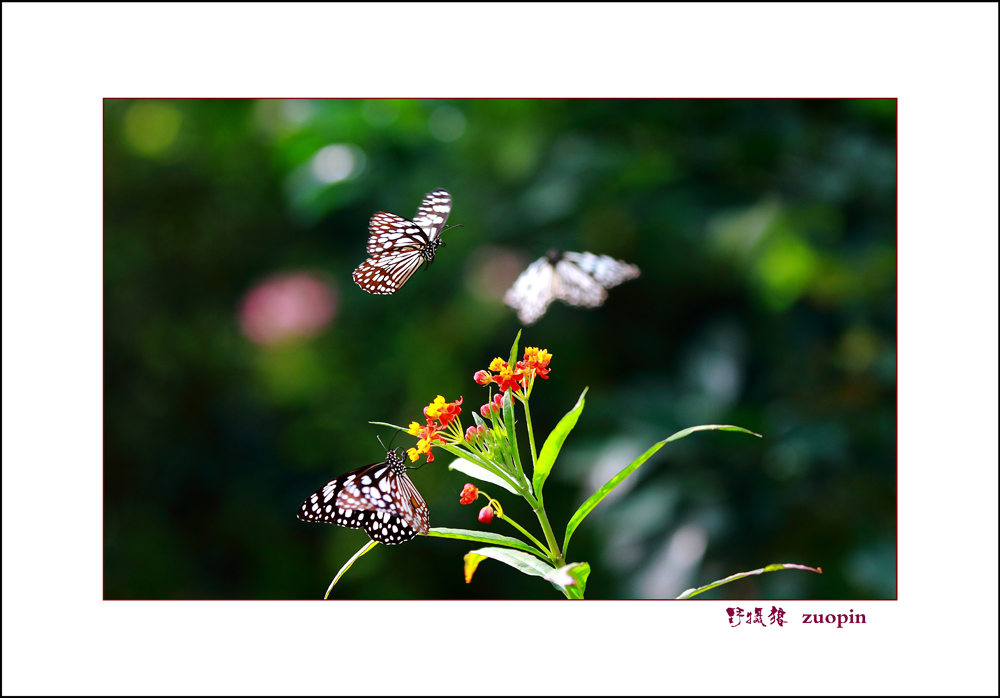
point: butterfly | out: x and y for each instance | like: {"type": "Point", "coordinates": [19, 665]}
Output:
{"type": "Point", "coordinates": [379, 498]}
{"type": "Point", "coordinates": [575, 278]}
{"type": "Point", "coordinates": [398, 247]}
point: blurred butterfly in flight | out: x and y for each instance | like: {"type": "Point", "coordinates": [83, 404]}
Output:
{"type": "Point", "coordinates": [398, 246]}
{"type": "Point", "coordinates": [379, 498]}
{"type": "Point", "coordinates": [575, 278]}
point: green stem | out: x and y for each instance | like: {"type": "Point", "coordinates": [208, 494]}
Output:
{"type": "Point", "coordinates": [550, 537]}
{"type": "Point", "coordinates": [531, 435]}
{"type": "Point", "coordinates": [534, 540]}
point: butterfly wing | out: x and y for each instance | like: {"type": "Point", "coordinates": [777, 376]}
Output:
{"type": "Point", "coordinates": [386, 505]}
{"type": "Point", "coordinates": [433, 212]}
{"type": "Point", "coordinates": [574, 286]}
{"type": "Point", "coordinates": [384, 274]}
{"type": "Point", "coordinates": [387, 231]}
{"type": "Point", "coordinates": [325, 505]}
{"type": "Point", "coordinates": [532, 293]}
{"type": "Point", "coordinates": [409, 518]}
{"type": "Point", "coordinates": [607, 271]}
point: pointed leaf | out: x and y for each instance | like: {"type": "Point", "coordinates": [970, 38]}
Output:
{"type": "Point", "coordinates": [480, 473]}
{"type": "Point", "coordinates": [596, 498]}
{"type": "Point", "coordinates": [554, 442]}
{"type": "Point", "coordinates": [740, 575]}
{"type": "Point", "coordinates": [371, 544]}
{"type": "Point", "coordinates": [522, 562]}
{"type": "Point", "coordinates": [513, 350]}
{"type": "Point", "coordinates": [483, 537]}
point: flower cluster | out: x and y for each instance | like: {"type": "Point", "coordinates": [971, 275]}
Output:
{"type": "Point", "coordinates": [442, 425]}
{"type": "Point", "coordinates": [521, 375]}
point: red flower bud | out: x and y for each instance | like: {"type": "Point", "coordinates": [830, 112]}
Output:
{"type": "Point", "coordinates": [469, 494]}
{"type": "Point", "coordinates": [483, 377]}
{"type": "Point", "coordinates": [485, 411]}
{"type": "Point", "coordinates": [486, 514]}
{"type": "Point", "coordinates": [498, 401]}
{"type": "Point", "coordinates": [471, 435]}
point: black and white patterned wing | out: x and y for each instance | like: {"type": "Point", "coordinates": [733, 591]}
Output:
{"type": "Point", "coordinates": [607, 271]}
{"type": "Point", "coordinates": [325, 505]}
{"type": "Point", "coordinates": [409, 518]}
{"type": "Point", "coordinates": [433, 212]}
{"type": "Point", "coordinates": [387, 231]}
{"type": "Point", "coordinates": [532, 293]}
{"type": "Point", "coordinates": [419, 519]}
{"type": "Point", "coordinates": [574, 286]}
{"type": "Point", "coordinates": [384, 274]}
{"type": "Point", "coordinates": [379, 498]}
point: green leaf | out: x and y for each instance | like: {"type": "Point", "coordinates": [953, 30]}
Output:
{"type": "Point", "coordinates": [600, 494]}
{"type": "Point", "coordinates": [371, 544]}
{"type": "Point", "coordinates": [482, 537]}
{"type": "Point", "coordinates": [386, 424]}
{"type": "Point", "coordinates": [740, 575]}
{"type": "Point", "coordinates": [523, 563]}
{"type": "Point", "coordinates": [571, 578]}
{"type": "Point", "coordinates": [480, 473]}
{"type": "Point", "coordinates": [513, 351]}
{"type": "Point", "coordinates": [554, 442]}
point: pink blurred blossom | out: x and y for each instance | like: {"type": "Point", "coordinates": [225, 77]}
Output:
{"type": "Point", "coordinates": [287, 305]}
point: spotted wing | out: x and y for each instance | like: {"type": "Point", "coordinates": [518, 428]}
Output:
{"type": "Point", "coordinates": [387, 231]}
{"type": "Point", "coordinates": [433, 212]}
{"type": "Point", "coordinates": [384, 274]}
{"type": "Point", "coordinates": [532, 292]}
{"type": "Point", "coordinates": [410, 518]}
{"type": "Point", "coordinates": [326, 505]}
{"type": "Point", "coordinates": [387, 506]}
{"type": "Point", "coordinates": [574, 286]}
{"type": "Point", "coordinates": [607, 271]}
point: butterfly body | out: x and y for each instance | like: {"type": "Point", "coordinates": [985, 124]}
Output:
{"type": "Point", "coordinates": [380, 498]}
{"type": "Point", "coordinates": [575, 278]}
{"type": "Point", "coordinates": [397, 246]}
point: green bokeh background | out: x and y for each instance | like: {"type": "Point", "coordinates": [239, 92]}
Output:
{"type": "Point", "coordinates": [765, 232]}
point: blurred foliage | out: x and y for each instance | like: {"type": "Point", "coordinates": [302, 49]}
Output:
{"type": "Point", "coordinates": [765, 231]}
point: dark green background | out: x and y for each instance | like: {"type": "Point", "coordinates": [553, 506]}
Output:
{"type": "Point", "coordinates": [765, 231]}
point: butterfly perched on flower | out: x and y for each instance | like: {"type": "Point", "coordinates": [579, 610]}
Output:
{"type": "Point", "coordinates": [379, 498]}
{"type": "Point", "coordinates": [575, 278]}
{"type": "Point", "coordinates": [399, 246]}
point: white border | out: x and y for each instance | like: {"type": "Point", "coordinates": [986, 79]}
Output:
{"type": "Point", "coordinates": [59, 60]}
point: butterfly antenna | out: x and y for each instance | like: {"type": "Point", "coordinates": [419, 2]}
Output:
{"type": "Point", "coordinates": [380, 442]}
{"type": "Point", "coordinates": [394, 437]}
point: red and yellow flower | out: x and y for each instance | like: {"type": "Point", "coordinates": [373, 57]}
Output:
{"type": "Point", "coordinates": [442, 426]}
{"type": "Point", "coordinates": [443, 411]}
{"type": "Point", "coordinates": [428, 435]}
{"type": "Point", "coordinates": [518, 377]}
{"type": "Point", "coordinates": [469, 494]}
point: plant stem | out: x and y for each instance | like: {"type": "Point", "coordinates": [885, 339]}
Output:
{"type": "Point", "coordinates": [531, 436]}
{"type": "Point", "coordinates": [550, 537]}
{"type": "Point", "coordinates": [534, 540]}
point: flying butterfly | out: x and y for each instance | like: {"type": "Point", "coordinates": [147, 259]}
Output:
{"type": "Point", "coordinates": [575, 278]}
{"type": "Point", "coordinates": [379, 498]}
{"type": "Point", "coordinates": [398, 246]}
